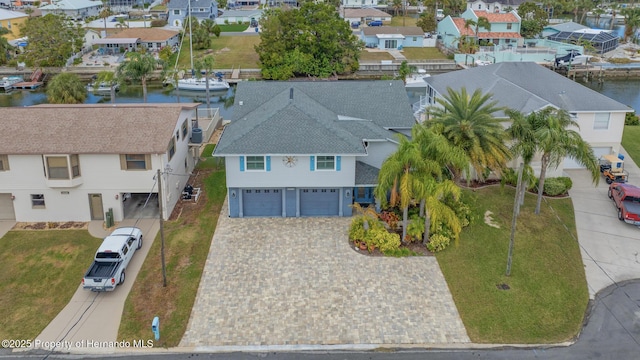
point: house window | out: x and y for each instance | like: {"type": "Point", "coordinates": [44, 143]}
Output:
{"type": "Point", "coordinates": [601, 121]}
{"type": "Point", "coordinates": [509, 26]}
{"type": "Point", "coordinates": [176, 12]}
{"type": "Point", "coordinates": [4, 162]}
{"type": "Point", "coordinates": [255, 163]}
{"type": "Point", "coordinates": [57, 167]}
{"type": "Point", "coordinates": [325, 163]}
{"type": "Point", "coordinates": [415, 38]}
{"type": "Point", "coordinates": [135, 162]}
{"type": "Point", "coordinates": [172, 148]}
{"type": "Point", "coordinates": [185, 129]}
{"type": "Point", "coordinates": [37, 200]}
{"type": "Point", "coordinates": [177, 134]}
{"type": "Point", "coordinates": [390, 44]}
{"type": "Point", "coordinates": [479, 6]}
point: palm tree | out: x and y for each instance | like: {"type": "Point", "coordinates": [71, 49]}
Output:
{"type": "Point", "coordinates": [467, 122]}
{"type": "Point", "coordinates": [205, 64]}
{"type": "Point", "coordinates": [631, 22]}
{"type": "Point", "coordinates": [548, 133]}
{"type": "Point", "coordinates": [110, 78]}
{"type": "Point", "coordinates": [482, 22]}
{"type": "Point", "coordinates": [400, 175]}
{"type": "Point", "coordinates": [138, 67]}
{"type": "Point", "coordinates": [66, 88]}
{"type": "Point", "coordinates": [105, 12]}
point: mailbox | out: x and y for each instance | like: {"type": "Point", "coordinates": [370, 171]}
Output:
{"type": "Point", "coordinates": [155, 327]}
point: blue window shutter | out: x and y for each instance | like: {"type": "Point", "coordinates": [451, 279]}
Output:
{"type": "Point", "coordinates": [241, 163]}
{"type": "Point", "coordinates": [337, 163]}
{"type": "Point", "coordinates": [268, 163]}
{"type": "Point", "coordinates": [312, 163]}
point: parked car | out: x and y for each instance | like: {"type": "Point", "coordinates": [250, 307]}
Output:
{"type": "Point", "coordinates": [355, 24]}
{"type": "Point", "coordinates": [375, 23]}
{"type": "Point", "coordinates": [112, 258]}
{"type": "Point", "coordinates": [627, 200]}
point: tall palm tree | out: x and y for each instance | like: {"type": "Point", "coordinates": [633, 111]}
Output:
{"type": "Point", "coordinates": [105, 12]}
{"type": "Point", "coordinates": [206, 64]}
{"type": "Point", "coordinates": [631, 22]}
{"type": "Point", "coordinates": [66, 88]}
{"type": "Point", "coordinates": [110, 78]}
{"type": "Point", "coordinates": [547, 132]}
{"type": "Point", "coordinates": [138, 67]}
{"type": "Point", "coordinates": [482, 22]}
{"type": "Point", "coordinates": [400, 175]}
{"type": "Point", "coordinates": [467, 122]}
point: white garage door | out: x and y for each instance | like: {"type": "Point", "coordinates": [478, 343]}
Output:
{"type": "Point", "coordinates": [598, 151]}
{"type": "Point", "coordinates": [6, 207]}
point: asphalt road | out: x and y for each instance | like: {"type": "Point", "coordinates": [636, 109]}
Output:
{"type": "Point", "coordinates": [612, 331]}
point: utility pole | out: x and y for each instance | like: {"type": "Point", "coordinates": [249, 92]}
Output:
{"type": "Point", "coordinates": [164, 269]}
{"type": "Point", "coordinates": [516, 209]}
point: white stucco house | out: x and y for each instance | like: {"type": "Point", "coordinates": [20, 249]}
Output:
{"type": "Point", "coordinates": [74, 162]}
{"type": "Point", "coordinates": [75, 9]}
{"type": "Point", "coordinates": [295, 149]}
{"type": "Point", "coordinates": [528, 87]}
{"type": "Point", "coordinates": [394, 37]}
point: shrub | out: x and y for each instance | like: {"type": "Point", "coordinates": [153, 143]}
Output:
{"type": "Point", "coordinates": [390, 218]}
{"type": "Point", "coordinates": [631, 119]}
{"type": "Point", "coordinates": [356, 231]}
{"type": "Point", "coordinates": [438, 242]}
{"type": "Point", "coordinates": [158, 23]}
{"type": "Point", "coordinates": [554, 187]}
{"type": "Point", "coordinates": [382, 239]}
{"type": "Point", "coordinates": [568, 184]}
{"type": "Point", "coordinates": [415, 229]}
{"type": "Point", "coordinates": [403, 252]}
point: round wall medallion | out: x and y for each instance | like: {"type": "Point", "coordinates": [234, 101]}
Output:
{"type": "Point", "coordinates": [289, 161]}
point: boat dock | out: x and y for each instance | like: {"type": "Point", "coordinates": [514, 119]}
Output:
{"type": "Point", "coordinates": [33, 83]}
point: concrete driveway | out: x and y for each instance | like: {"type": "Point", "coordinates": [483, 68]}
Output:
{"type": "Point", "coordinates": [90, 318]}
{"type": "Point", "coordinates": [610, 248]}
{"type": "Point", "coordinates": [297, 281]}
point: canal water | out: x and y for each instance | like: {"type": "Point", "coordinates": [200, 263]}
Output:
{"type": "Point", "coordinates": [624, 91]}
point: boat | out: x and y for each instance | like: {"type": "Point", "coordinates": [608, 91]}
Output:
{"type": "Point", "coordinates": [7, 82]}
{"type": "Point", "coordinates": [417, 79]}
{"type": "Point", "coordinates": [102, 88]}
{"type": "Point", "coordinates": [200, 84]}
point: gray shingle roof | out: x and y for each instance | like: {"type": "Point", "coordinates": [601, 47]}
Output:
{"type": "Point", "coordinates": [89, 129]}
{"type": "Point", "coordinates": [183, 4]}
{"type": "Point", "coordinates": [328, 117]}
{"type": "Point", "coordinates": [526, 87]}
{"type": "Point", "coordinates": [366, 174]}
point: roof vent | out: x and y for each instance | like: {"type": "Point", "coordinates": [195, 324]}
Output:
{"type": "Point", "coordinates": [291, 94]}
{"type": "Point", "coordinates": [240, 102]}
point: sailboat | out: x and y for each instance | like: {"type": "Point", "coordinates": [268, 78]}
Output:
{"type": "Point", "coordinates": [200, 83]}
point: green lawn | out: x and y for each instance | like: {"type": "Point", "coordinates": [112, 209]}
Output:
{"type": "Point", "coordinates": [423, 53]}
{"type": "Point", "coordinates": [233, 27]}
{"type": "Point", "coordinates": [630, 142]}
{"type": "Point", "coordinates": [548, 294]}
{"type": "Point", "coordinates": [41, 270]}
{"type": "Point", "coordinates": [402, 21]}
{"type": "Point", "coordinates": [187, 243]}
{"type": "Point", "coordinates": [228, 52]}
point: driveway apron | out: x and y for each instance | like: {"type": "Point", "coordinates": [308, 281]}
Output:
{"type": "Point", "coordinates": [610, 248]}
{"type": "Point", "coordinates": [298, 281]}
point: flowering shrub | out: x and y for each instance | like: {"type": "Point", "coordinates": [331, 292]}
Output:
{"type": "Point", "coordinates": [438, 242]}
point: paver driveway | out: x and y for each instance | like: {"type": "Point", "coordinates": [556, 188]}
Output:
{"type": "Point", "coordinates": [297, 281]}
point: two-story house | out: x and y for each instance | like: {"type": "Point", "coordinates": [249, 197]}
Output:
{"type": "Point", "coordinates": [361, 3]}
{"type": "Point", "coordinates": [505, 28]}
{"type": "Point", "coordinates": [179, 11]}
{"type": "Point", "coordinates": [74, 9]}
{"type": "Point", "coordinates": [75, 162]}
{"type": "Point", "coordinates": [528, 87]}
{"type": "Point", "coordinates": [494, 6]}
{"type": "Point", "coordinates": [310, 148]}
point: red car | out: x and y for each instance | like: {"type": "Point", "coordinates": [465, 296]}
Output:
{"type": "Point", "coordinates": [627, 200]}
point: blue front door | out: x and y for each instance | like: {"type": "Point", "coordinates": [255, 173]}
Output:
{"type": "Point", "coordinates": [363, 195]}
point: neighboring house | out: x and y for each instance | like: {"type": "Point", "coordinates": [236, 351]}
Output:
{"type": "Point", "coordinates": [505, 28]}
{"type": "Point", "coordinates": [495, 6]}
{"type": "Point", "coordinates": [310, 148]}
{"type": "Point", "coordinates": [239, 16]}
{"type": "Point", "coordinates": [364, 15]}
{"type": "Point", "coordinates": [126, 5]}
{"type": "Point", "coordinates": [90, 37]}
{"type": "Point", "coordinates": [361, 3]}
{"type": "Point", "coordinates": [134, 38]}
{"type": "Point", "coordinates": [74, 9]}
{"type": "Point", "coordinates": [92, 159]}
{"type": "Point", "coordinates": [200, 9]}
{"type": "Point", "coordinates": [528, 87]}
{"type": "Point", "coordinates": [12, 20]}
{"type": "Point", "coordinates": [392, 37]}
{"type": "Point", "coordinates": [568, 26]}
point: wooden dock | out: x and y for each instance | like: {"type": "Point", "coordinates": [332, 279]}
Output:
{"type": "Point", "coordinates": [26, 85]}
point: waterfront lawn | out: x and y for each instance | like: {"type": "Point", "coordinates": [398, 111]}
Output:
{"type": "Point", "coordinates": [403, 21]}
{"type": "Point", "coordinates": [41, 270]}
{"type": "Point", "coordinates": [187, 242]}
{"type": "Point", "coordinates": [233, 27]}
{"type": "Point", "coordinates": [374, 56]}
{"type": "Point", "coordinates": [630, 142]}
{"type": "Point", "coordinates": [228, 52]}
{"type": "Point", "coordinates": [547, 295]}
{"type": "Point", "coordinates": [425, 53]}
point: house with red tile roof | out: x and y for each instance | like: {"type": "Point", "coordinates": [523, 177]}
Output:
{"type": "Point", "coordinates": [504, 29]}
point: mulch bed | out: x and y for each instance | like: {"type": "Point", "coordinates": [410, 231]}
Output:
{"type": "Point", "coordinates": [50, 225]}
{"type": "Point", "coordinates": [189, 209]}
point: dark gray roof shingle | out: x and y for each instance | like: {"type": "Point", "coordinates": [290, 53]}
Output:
{"type": "Point", "coordinates": [366, 174]}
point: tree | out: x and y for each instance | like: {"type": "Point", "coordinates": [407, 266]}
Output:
{"type": "Point", "coordinates": [396, 4]}
{"type": "Point", "coordinates": [199, 33]}
{"type": "Point", "coordinates": [427, 21]}
{"type": "Point", "coordinates": [631, 22]}
{"type": "Point", "coordinates": [482, 22]}
{"type": "Point", "coordinates": [105, 12]}
{"type": "Point", "coordinates": [66, 88]}
{"type": "Point", "coordinates": [138, 67]}
{"type": "Point", "coordinates": [547, 132]}
{"type": "Point", "coordinates": [405, 70]}
{"type": "Point", "coordinates": [205, 64]}
{"type": "Point", "coordinates": [52, 40]}
{"type": "Point", "coordinates": [5, 47]}
{"type": "Point", "coordinates": [468, 123]}
{"type": "Point", "coordinates": [108, 77]}
{"type": "Point", "coordinates": [310, 41]}
{"type": "Point", "coordinates": [534, 19]}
